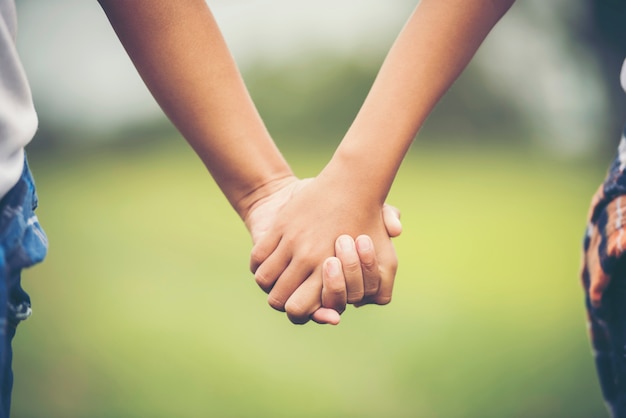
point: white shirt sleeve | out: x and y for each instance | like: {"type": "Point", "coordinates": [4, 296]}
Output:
{"type": "Point", "coordinates": [18, 119]}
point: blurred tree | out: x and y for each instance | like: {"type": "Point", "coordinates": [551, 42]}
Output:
{"type": "Point", "coordinates": [313, 101]}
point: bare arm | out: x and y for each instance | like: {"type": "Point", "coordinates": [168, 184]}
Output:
{"type": "Point", "coordinates": [181, 55]}
{"type": "Point", "coordinates": [432, 50]}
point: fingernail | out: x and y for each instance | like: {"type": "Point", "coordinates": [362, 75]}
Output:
{"type": "Point", "coordinates": [345, 243]}
{"type": "Point", "coordinates": [364, 243]}
{"type": "Point", "coordinates": [332, 267]}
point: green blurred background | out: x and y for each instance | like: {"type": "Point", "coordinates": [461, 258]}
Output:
{"type": "Point", "coordinates": [145, 306]}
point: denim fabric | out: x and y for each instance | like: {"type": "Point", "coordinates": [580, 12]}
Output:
{"type": "Point", "coordinates": [22, 244]}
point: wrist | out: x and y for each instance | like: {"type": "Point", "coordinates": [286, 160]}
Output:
{"type": "Point", "coordinates": [257, 193]}
{"type": "Point", "coordinates": [358, 174]}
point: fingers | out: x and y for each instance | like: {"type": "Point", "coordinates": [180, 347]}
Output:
{"type": "Point", "coordinates": [323, 296]}
{"type": "Point", "coordinates": [290, 279]}
{"type": "Point", "coordinates": [387, 268]}
{"type": "Point", "coordinates": [263, 249]}
{"type": "Point", "coordinates": [366, 280]}
{"type": "Point", "coordinates": [326, 316]}
{"type": "Point", "coordinates": [391, 219]}
{"type": "Point", "coordinates": [354, 284]}
{"type": "Point", "coordinates": [305, 303]}
{"type": "Point", "coordinates": [305, 300]}
{"type": "Point", "coordinates": [334, 294]}
{"type": "Point", "coordinates": [369, 265]}
{"type": "Point", "coordinates": [378, 270]}
{"type": "Point", "coordinates": [267, 272]}
{"type": "Point", "coordinates": [358, 275]}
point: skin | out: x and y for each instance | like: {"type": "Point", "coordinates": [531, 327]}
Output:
{"type": "Point", "coordinates": [434, 47]}
{"type": "Point", "coordinates": [179, 51]}
{"type": "Point", "coordinates": [181, 55]}
{"type": "Point", "coordinates": [359, 263]}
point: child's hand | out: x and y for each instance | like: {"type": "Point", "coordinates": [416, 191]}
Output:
{"type": "Point", "coordinates": [355, 267]}
{"type": "Point", "coordinates": [309, 218]}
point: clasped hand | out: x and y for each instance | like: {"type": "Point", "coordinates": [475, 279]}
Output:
{"type": "Point", "coordinates": [304, 255]}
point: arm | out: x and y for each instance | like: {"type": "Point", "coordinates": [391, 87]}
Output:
{"type": "Point", "coordinates": [179, 52]}
{"type": "Point", "coordinates": [432, 50]}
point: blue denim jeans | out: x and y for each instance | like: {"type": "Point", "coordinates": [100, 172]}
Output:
{"type": "Point", "coordinates": [22, 244]}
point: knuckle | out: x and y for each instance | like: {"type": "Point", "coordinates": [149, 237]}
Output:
{"type": "Point", "coordinates": [309, 258]}
{"type": "Point", "coordinates": [389, 267]}
{"type": "Point", "coordinates": [371, 290]}
{"type": "Point", "coordinates": [368, 262]}
{"type": "Point", "coordinates": [256, 259]}
{"type": "Point", "coordinates": [366, 301]}
{"type": "Point", "coordinates": [355, 296]}
{"type": "Point", "coordinates": [296, 313]}
{"type": "Point", "coordinates": [393, 264]}
{"type": "Point", "coordinates": [383, 300]}
{"type": "Point", "coordinates": [263, 281]}
{"type": "Point", "coordinates": [369, 269]}
{"type": "Point", "coordinates": [298, 321]}
{"type": "Point", "coordinates": [351, 267]}
{"type": "Point", "coordinates": [276, 303]}
{"type": "Point", "coordinates": [334, 287]}
{"type": "Point", "coordinates": [393, 269]}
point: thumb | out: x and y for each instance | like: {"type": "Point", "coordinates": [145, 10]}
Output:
{"type": "Point", "coordinates": [391, 218]}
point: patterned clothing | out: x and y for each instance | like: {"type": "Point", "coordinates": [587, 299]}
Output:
{"type": "Point", "coordinates": [604, 281]}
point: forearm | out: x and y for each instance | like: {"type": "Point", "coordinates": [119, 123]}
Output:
{"type": "Point", "coordinates": [181, 55]}
{"type": "Point", "coordinates": [433, 48]}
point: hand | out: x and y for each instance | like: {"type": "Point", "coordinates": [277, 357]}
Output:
{"type": "Point", "coordinates": [262, 214]}
{"type": "Point", "coordinates": [302, 237]}
{"type": "Point", "coordinates": [355, 267]}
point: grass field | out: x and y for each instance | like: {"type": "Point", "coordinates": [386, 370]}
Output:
{"type": "Point", "coordinates": [145, 306]}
